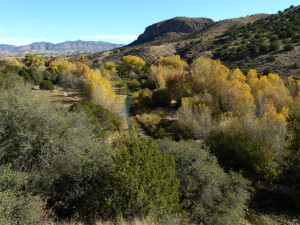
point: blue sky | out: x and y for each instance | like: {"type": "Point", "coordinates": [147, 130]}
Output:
{"type": "Point", "coordinates": [117, 21]}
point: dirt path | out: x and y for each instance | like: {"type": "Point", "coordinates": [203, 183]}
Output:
{"type": "Point", "coordinates": [64, 97]}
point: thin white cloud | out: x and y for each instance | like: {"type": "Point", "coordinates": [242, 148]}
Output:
{"type": "Point", "coordinates": [118, 37]}
{"type": "Point", "coordinates": [7, 29]}
{"type": "Point", "coordinates": [32, 21]}
{"type": "Point", "coordinates": [20, 41]}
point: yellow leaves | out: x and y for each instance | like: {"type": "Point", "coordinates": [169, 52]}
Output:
{"type": "Point", "coordinates": [100, 91]}
{"type": "Point", "coordinates": [62, 65]}
{"type": "Point", "coordinates": [238, 75]}
{"type": "Point", "coordinates": [133, 61]}
{"type": "Point", "coordinates": [272, 115]}
{"type": "Point", "coordinates": [285, 112]}
{"type": "Point", "coordinates": [161, 81]}
{"type": "Point", "coordinates": [34, 61]}
{"type": "Point", "coordinates": [161, 74]}
{"type": "Point", "coordinates": [83, 59]}
{"type": "Point", "coordinates": [15, 61]}
{"type": "Point", "coordinates": [269, 89]}
{"type": "Point", "coordinates": [172, 62]}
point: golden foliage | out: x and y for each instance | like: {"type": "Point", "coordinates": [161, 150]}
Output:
{"type": "Point", "coordinates": [172, 62]}
{"type": "Point", "coordinates": [100, 91]}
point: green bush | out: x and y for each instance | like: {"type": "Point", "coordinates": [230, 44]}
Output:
{"type": "Point", "coordinates": [133, 84]}
{"type": "Point", "coordinates": [149, 121]}
{"type": "Point", "coordinates": [31, 75]}
{"type": "Point", "coordinates": [296, 66]}
{"type": "Point", "coordinates": [10, 81]}
{"type": "Point", "coordinates": [161, 97]}
{"type": "Point", "coordinates": [274, 46]}
{"type": "Point", "coordinates": [235, 149]}
{"type": "Point", "coordinates": [99, 115]}
{"type": "Point", "coordinates": [17, 206]}
{"type": "Point", "coordinates": [181, 130]}
{"type": "Point", "coordinates": [263, 47]}
{"type": "Point", "coordinates": [289, 47]}
{"type": "Point", "coordinates": [213, 46]}
{"type": "Point", "coordinates": [46, 85]}
{"type": "Point", "coordinates": [253, 48]}
{"type": "Point", "coordinates": [271, 58]}
{"type": "Point", "coordinates": [150, 84]}
{"type": "Point", "coordinates": [23, 73]}
{"type": "Point", "coordinates": [143, 182]}
{"type": "Point", "coordinates": [35, 76]}
{"type": "Point", "coordinates": [141, 100]}
{"type": "Point", "coordinates": [11, 69]}
{"type": "Point", "coordinates": [294, 151]}
{"type": "Point", "coordinates": [208, 193]}
{"type": "Point", "coordinates": [59, 149]}
{"type": "Point", "coordinates": [267, 71]}
{"type": "Point", "coordinates": [247, 59]}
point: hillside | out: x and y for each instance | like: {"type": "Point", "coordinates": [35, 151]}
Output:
{"type": "Point", "coordinates": [64, 48]}
{"type": "Point", "coordinates": [174, 26]}
{"type": "Point", "coordinates": [244, 42]}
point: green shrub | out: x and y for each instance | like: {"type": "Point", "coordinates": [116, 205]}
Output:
{"type": "Point", "coordinates": [181, 130]}
{"type": "Point", "coordinates": [35, 76]}
{"type": "Point", "coordinates": [208, 193]}
{"type": "Point", "coordinates": [31, 75]}
{"type": "Point", "coordinates": [294, 149]}
{"type": "Point", "coordinates": [296, 66]}
{"type": "Point", "coordinates": [10, 81]}
{"type": "Point", "coordinates": [263, 47]}
{"type": "Point", "coordinates": [267, 71]}
{"type": "Point", "coordinates": [150, 84]}
{"type": "Point", "coordinates": [64, 156]}
{"type": "Point", "coordinates": [11, 69]}
{"type": "Point", "coordinates": [143, 182]}
{"type": "Point", "coordinates": [213, 46]}
{"type": "Point", "coordinates": [235, 149]}
{"type": "Point", "coordinates": [253, 48]}
{"type": "Point", "coordinates": [271, 58]}
{"type": "Point", "coordinates": [141, 100]}
{"type": "Point", "coordinates": [23, 73]}
{"type": "Point", "coordinates": [247, 59]}
{"type": "Point", "coordinates": [99, 115]}
{"type": "Point", "coordinates": [46, 85]}
{"type": "Point", "coordinates": [133, 84]}
{"type": "Point", "coordinates": [150, 121]}
{"type": "Point", "coordinates": [161, 97]}
{"type": "Point", "coordinates": [289, 47]}
{"type": "Point", "coordinates": [274, 46]}
{"type": "Point", "coordinates": [17, 206]}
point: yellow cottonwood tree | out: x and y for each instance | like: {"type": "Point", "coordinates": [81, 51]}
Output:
{"type": "Point", "coordinates": [172, 62]}
{"type": "Point", "coordinates": [129, 64]}
{"type": "Point", "coordinates": [100, 91]}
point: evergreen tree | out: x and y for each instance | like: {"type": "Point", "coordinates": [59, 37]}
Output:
{"type": "Point", "coordinates": [143, 182]}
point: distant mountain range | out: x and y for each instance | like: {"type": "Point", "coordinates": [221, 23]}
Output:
{"type": "Point", "coordinates": [64, 48]}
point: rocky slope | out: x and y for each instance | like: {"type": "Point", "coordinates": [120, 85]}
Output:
{"type": "Point", "coordinates": [174, 25]}
{"type": "Point", "coordinates": [243, 42]}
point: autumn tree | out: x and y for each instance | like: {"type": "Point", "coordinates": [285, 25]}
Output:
{"type": "Point", "coordinates": [172, 62]}
{"type": "Point", "coordinates": [130, 64]}
{"type": "Point", "coordinates": [100, 91]}
{"type": "Point", "coordinates": [32, 60]}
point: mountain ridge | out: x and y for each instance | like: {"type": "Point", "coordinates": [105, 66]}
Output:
{"type": "Point", "coordinates": [63, 48]}
{"type": "Point", "coordinates": [244, 42]}
{"type": "Point", "coordinates": [176, 25]}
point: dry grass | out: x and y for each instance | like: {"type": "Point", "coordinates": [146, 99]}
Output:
{"type": "Point", "coordinates": [61, 96]}
{"type": "Point", "coordinates": [100, 222]}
